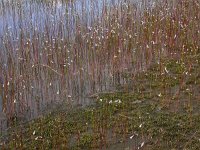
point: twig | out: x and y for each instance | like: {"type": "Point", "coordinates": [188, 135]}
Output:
{"type": "Point", "coordinates": [49, 68]}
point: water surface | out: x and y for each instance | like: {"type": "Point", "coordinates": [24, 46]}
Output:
{"type": "Point", "coordinates": [25, 27]}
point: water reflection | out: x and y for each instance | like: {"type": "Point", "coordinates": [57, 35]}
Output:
{"type": "Point", "coordinates": [33, 14]}
{"type": "Point", "coordinates": [36, 37]}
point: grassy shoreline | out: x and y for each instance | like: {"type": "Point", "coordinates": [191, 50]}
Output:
{"type": "Point", "coordinates": [151, 56]}
{"type": "Point", "coordinates": [146, 117]}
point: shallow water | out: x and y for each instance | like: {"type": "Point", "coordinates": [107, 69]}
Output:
{"type": "Point", "coordinates": [33, 14]}
{"type": "Point", "coordinates": [26, 19]}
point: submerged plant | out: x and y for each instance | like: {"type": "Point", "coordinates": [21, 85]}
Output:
{"type": "Point", "coordinates": [75, 49]}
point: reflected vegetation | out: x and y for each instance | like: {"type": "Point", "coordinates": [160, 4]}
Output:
{"type": "Point", "coordinates": [129, 58]}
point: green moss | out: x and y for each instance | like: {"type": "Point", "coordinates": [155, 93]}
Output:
{"type": "Point", "coordinates": [145, 111]}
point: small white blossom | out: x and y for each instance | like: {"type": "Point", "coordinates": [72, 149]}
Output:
{"type": "Point", "coordinates": [118, 101]}
{"type": "Point", "coordinates": [131, 137]}
{"type": "Point", "coordinates": [166, 70]}
{"type": "Point", "coordinates": [159, 95]}
{"type": "Point", "coordinates": [142, 144]}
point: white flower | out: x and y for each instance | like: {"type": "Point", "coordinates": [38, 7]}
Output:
{"type": "Point", "coordinates": [38, 137]}
{"type": "Point", "coordinates": [174, 36]}
{"type": "Point", "coordinates": [118, 101]}
{"type": "Point", "coordinates": [166, 70]}
{"type": "Point", "coordinates": [112, 31]}
{"type": "Point", "coordinates": [142, 144]}
{"type": "Point", "coordinates": [159, 95]}
{"type": "Point", "coordinates": [132, 136]}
